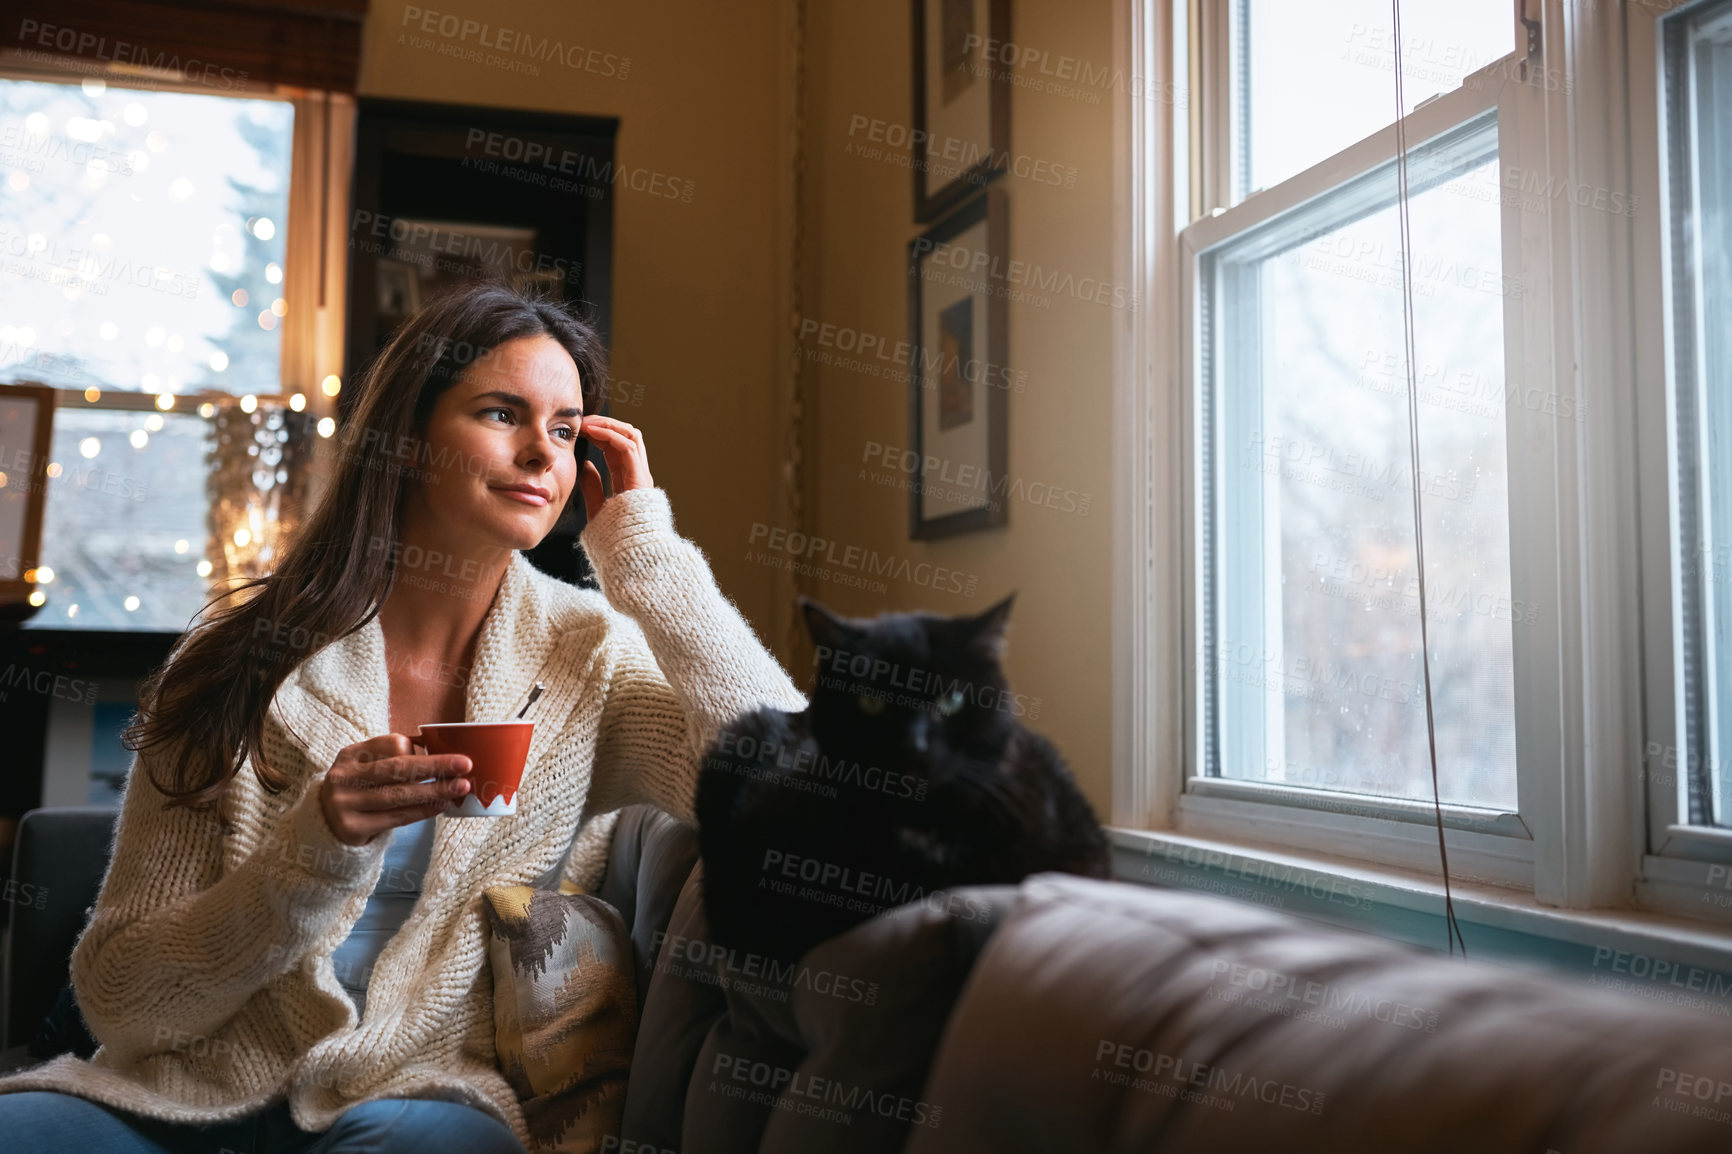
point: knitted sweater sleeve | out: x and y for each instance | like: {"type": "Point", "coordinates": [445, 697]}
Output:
{"type": "Point", "coordinates": [177, 942]}
{"type": "Point", "coordinates": [686, 661]}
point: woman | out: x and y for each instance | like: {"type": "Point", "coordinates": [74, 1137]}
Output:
{"type": "Point", "coordinates": [275, 770]}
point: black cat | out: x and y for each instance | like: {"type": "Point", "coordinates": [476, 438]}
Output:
{"type": "Point", "coordinates": [908, 773]}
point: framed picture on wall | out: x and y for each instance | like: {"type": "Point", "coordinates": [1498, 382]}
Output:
{"type": "Point", "coordinates": [26, 434]}
{"type": "Point", "coordinates": [958, 315]}
{"type": "Point", "coordinates": [399, 288]}
{"type": "Point", "coordinates": [961, 138]}
{"type": "Point", "coordinates": [436, 254]}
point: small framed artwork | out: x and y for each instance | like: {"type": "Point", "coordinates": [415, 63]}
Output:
{"type": "Point", "coordinates": [399, 288]}
{"type": "Point", "coordinates": [444, 252]}
{"type": "Point", "coordinates": [26, 435]}
{"type": "Point", "coordinates": [961, 138]}
{"type": "Point", "coordinates": [958, 316]}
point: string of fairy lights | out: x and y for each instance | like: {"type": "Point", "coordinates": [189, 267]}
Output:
{"type": "Point", "coordinates": [245, 544]}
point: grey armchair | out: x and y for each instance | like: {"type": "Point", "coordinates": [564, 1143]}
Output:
{"type": "Point", "coordinates": [57, 867]}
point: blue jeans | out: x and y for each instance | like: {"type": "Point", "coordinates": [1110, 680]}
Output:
{"type": "Point", "coordinates": [36, 1122]}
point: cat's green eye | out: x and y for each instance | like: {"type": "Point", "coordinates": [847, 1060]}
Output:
{"type": "Point", "coordinates": [949, 703]}
{"type": "Point", "coordinates": [870, 704]}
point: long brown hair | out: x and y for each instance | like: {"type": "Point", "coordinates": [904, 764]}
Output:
{"type": "Point", "coordinates": [206, 704]}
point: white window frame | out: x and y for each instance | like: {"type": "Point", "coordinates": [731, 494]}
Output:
{"type": "Point", "coordinates": [1593, 683]}
{"type": "Point", "coordinates": [1492, 844]}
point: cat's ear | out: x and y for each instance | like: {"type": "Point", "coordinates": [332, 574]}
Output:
{"type": "Point", "coordinates": [827, 630]}
{"type": "Point", "coordinates": [986, 632]}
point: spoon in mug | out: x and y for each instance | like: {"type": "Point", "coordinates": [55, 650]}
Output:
{"type": "Point", "coordinates": [533, 694]}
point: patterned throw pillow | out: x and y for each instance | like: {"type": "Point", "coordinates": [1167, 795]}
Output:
{"type": "Point", "coordinates": [564, 1012]}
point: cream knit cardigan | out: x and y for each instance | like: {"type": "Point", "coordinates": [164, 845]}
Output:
{"type": "Point", "coordinates": [205, 971]}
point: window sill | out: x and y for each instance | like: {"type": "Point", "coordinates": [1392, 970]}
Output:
{"type": "Point", "coordinates": [1650, 955]}
{"type": "Point", "coordinates": [1494, 853]}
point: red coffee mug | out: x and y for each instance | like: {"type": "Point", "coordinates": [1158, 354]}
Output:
{"type": "Point", "coordinates": [496, 750]}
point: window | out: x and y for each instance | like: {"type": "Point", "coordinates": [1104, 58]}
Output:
{"type": "Point", "coordinates": [1569, 177]}
{"type": "Point", "coordinates": [144, 234]}
{"type": "Point", "coordinates": [1312, 78]}
{"type": "Point", "coordinates": [1698, 101]}
{"type": "Point", "coordinates": [145, 240]}
{"type": "Point", "coordinates": [125, 527]}
{"type": "Point", "coordinates": [1309, 677]}
{"type": "Point", "coordinates": [1314, 634]}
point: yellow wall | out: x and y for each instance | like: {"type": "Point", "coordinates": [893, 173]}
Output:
{"type": "Point", "coordinates": [694, 285]}
{"type": "Point", "coordinates": [697, 305]}
{"type": "Point", "coordinates": [1059, 427]}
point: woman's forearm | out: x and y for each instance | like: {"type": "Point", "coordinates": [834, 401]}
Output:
{"type": "Point", "coordinates": [699, 638]}
{"type": "Point", "coordinates": [704, 665]}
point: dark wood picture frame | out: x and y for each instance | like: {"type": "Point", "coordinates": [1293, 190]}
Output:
{"type": "Point", "coordinates": [33, 479]}
{"type": "Point", "coordinates": [931, 203]}
{"type": "Point", "coordinates": [992, 207]}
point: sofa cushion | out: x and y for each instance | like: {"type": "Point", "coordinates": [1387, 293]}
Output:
{"type": "Point", "coordinates": [869, 1007]}
{"type": "Point", "coordinates": [677, 1016]}
{"type": "Point", "coordinates": [565, 1005]}
{"type": "Point", "coordinates": [738, 1052]}
{"type": "Point", "coordinates": [1109, 1017]}
{"type": "Point", "coordinates": [649, 860]}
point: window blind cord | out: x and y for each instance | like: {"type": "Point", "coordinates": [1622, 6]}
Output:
{"type": "Point", "coordinates": [1410, 346]}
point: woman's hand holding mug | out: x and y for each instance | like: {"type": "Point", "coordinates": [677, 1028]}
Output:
{"type": "Point", "coordinates": [381, 783]}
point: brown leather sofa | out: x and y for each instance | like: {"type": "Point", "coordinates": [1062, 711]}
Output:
{"type": "Point", "coordinates": [1070, 1015]}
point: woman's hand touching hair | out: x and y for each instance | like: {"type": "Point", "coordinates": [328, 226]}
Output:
{"type": "Point", "coordinates": [381, 783]}
{"type": "Point", "coordinates": [627, 464]}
